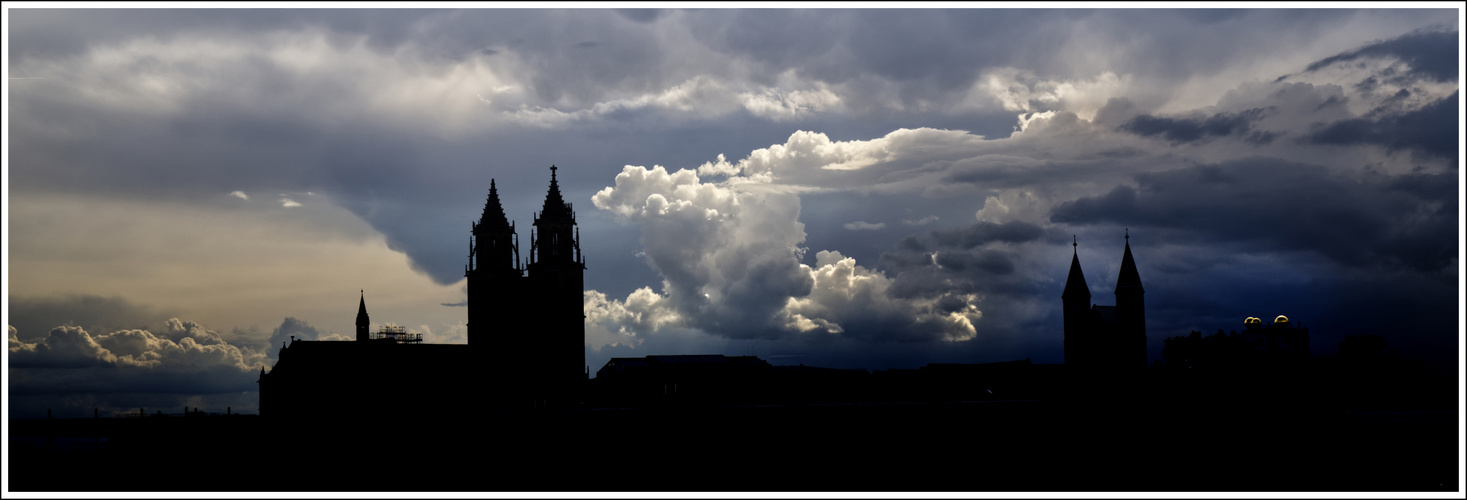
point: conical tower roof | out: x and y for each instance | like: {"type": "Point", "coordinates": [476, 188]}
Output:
{"type": "Point", "coordinates": [1075, 286]}
{"type": "Point", "coordinates": [555, 208]}
{"type": "Point", "coordinates": [493, 213]}
{"type": "Point", "coordinates": [1129, 277]}
{"type": "Point", "coordinates": [362, 309]}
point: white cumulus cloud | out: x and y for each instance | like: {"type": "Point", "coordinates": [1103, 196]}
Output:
{"type": "Point", "coordinates": [729, 254]}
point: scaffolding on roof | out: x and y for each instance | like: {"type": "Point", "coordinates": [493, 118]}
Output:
{"type": "Point", "coordinates": [397, 334]}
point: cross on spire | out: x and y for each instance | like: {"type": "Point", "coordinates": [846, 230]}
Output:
{"type": "Point", "coordinates": [555, 208]}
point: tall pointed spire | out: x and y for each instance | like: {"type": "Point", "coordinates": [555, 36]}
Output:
{"type": "Point", "coordinates": [493, 213]}
{"type": "Point", "coordinates": [555, 208]}
{"type": "Point", "coordinates": [1075, 286]}
{"type": "Point", "coordinates": [363, 322]}
{"type": "Point", "coordinates": [1129, 278]}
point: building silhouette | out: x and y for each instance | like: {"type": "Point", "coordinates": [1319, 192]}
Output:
{"type": "Point", "coordinates": [1279, 338]}
{"type": "Point", "coordinates": [529, 313]}
{"type": "Point", "coordinates": [525, 345]}
{"type": "Point", "coordinates": [1104, 340]}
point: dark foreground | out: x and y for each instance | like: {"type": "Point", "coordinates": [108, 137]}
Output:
{"type": "Point", "coordinates": [981, 446]}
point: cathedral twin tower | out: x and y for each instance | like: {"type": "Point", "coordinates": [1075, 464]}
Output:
{"type": "Point", "coordinates": [1105, 340]}
{"type": "Point", "coordinates": [530, 310]}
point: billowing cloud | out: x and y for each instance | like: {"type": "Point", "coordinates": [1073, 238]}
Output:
{"type": "Point", "coordinates": [183, 361]}
{"type": "Point", "coordinates": [64, 347]}
{"type": "Point", "coordinates": [288, 329]}
{"type": "Point", "coordinates": [730, 261]}
{"type": "Point", "coordinates": [32, 317]}
{"type": "Point", "coordinates": [979, 140]}
{"type": "Point", "coordinates": [391, 113]}
{"type": "Point", "coordinates": [1043, 175]}
{"type": "Point", "coordinates": [1022, 91]}
{"type": "Point", "coordinates": [620, 321]}
{"type": "Point", "coordinates": [183, 344]}
{"type": "Point", "coordinates": [855, 301]}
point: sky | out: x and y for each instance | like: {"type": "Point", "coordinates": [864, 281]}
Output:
{"type": "Point", "coordinates": [188, 188]}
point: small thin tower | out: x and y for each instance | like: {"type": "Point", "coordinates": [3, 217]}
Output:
{"type": "Point", "coordinates": [1130, 330]}
{"type": "Point", "coordinates": [363, 322]}
{"type": "Point", "coordinates": [1078, 337]}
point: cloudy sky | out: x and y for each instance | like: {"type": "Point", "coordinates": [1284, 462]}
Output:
{"type": "Point", "coordinates": [848, 188]}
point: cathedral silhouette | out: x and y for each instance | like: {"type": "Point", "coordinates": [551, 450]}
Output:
{"type": "Point", "coordinates": [525, 345]}
{"type": "Point", "coordinates": [388, 412]}
{"type": "Point", "coordinates": [526, 348]}
{"type": "Point", "coordinates": [1105, 340]}
{"type": "Point", "coordinates": [531, 310]}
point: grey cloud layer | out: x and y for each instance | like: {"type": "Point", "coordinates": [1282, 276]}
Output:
{"type": "Point", "coordinates": [1378, 214]}
{"type": "Point", "coordinates": [69, 369]}
{"type": "Point", "coordinates": [1429, 54]}
{"type": "Point", "coordinates": [1374, 221]}
{"type": "Point", "coordinates": [350, 102]}
{"type": "Point", "coordinates": [403, 116]}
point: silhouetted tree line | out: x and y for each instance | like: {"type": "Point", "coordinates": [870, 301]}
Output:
{"type": "Point", "coordinates": [1366, 373]}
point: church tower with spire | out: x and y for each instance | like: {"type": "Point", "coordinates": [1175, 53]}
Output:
{"type": "Point", "coordinates": [1130, 328]}
{"type": "Point", "coordinates": [495, 277]}
{"type": "Point", "coordinates": [557, 273]}
{"type": "Point", "coordinates": [364, 323]}
{"type": "Point", "coordinates": [1105, 340]}
{"type": "Point", "coordinates": [525, 314]}
{"type": "Point", "coordinates": [1077, 311]}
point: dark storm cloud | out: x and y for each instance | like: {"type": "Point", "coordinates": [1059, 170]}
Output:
{"type": "Point", "coordinates": [46, 33]}
{"type": "Point", "coordinates": [963, 259]}
{"type": "Point", "coordinates": [997, 264]}
{"type": "Point", "coordinates": [982, 233]}
{"type": "Point", "coordinates": [276, 127]}
{"type": "Point", "coordinates": [182, 359]}
{"type": "Point", "coordinates": [936, 55]}
{"type": "Point", "coordinates": [1374, 221]}
{"type": "Point", "coordinates": [642, 15]}
{"type": "Point", "coordinates": [1431, 130]}
{"type": "Point", "coordinates": [1021, 172]}
{"type": "Point", "coordinates": [288, 329]}
{"type": "Point", "coordinates": [1183, 130]}
{"type": "Point", "coordinates": [272, 127]}
{"type": "Point", "coordinates": [1432, 55]}
{"type": "Point", "coordinates": [1117, 111]}
{"type": "Point", "coordinates": [32, 317]}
